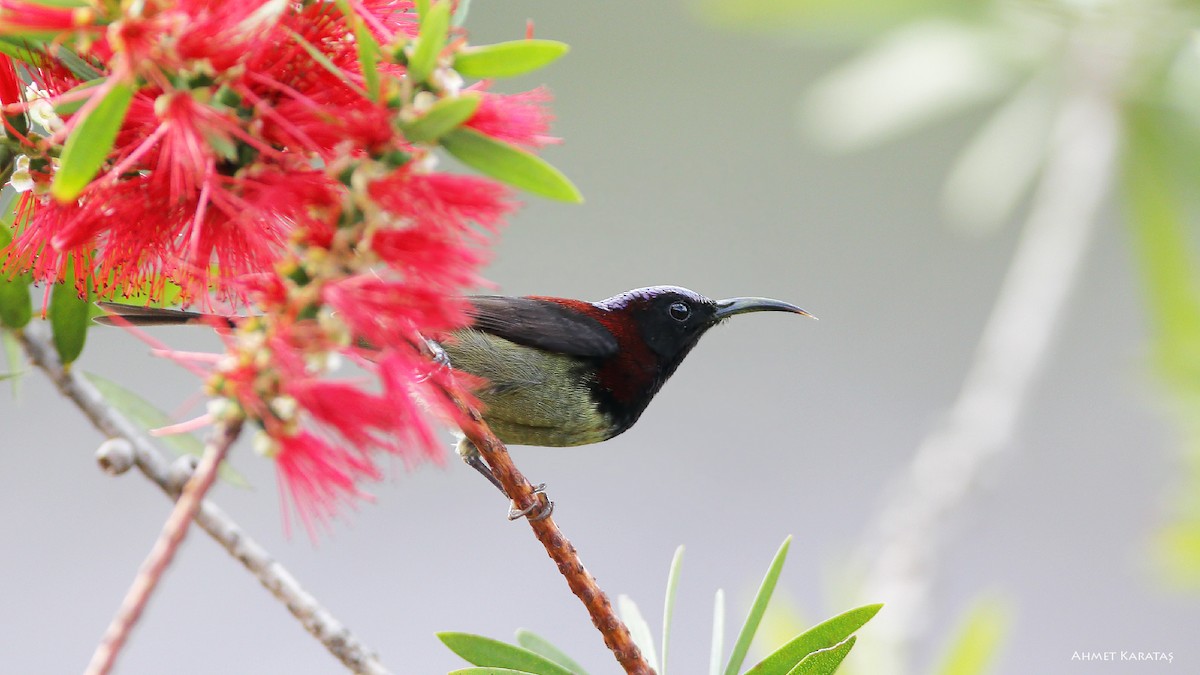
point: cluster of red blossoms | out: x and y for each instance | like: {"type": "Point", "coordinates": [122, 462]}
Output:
{"type": "Point", "coordinates": [259, 153]}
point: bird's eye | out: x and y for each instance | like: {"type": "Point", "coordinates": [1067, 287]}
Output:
{"type": "Point", "coordinates": [680, 311]}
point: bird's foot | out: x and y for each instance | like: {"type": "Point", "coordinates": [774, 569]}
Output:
{"type": "Point", "coordinates": [546, 509]}
{"type": "Point", "coordinates": [470, 455]}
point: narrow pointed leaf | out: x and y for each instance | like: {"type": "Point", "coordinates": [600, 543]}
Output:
{"type": "Point", "coordinates": [435, 22]}
{"type": "Point", "coordinates": [510, 164]}
{"type": "Point", "coordinates": [996, 168]}
{"type": "Point", "coordinates": [489, 671]}
{"type": "Point", "coordinates": [1159, 178]}
{"type": "Point", "coordinates": [71, 107]}
{"type": "Point", "coordinates": [825, 661]}
{"type": "Point", "coordinates": [974, 649]}
{"type": "Point", "coordinates": [508, 59]}
{"type": "Point", "coordinates": [718, 634]}
{"type": "Point", "coordinates": [442, 117]}
{"type": "Point", "coordinates": [485, 651]}
{"type": "Point", "coordinates": [742, 646]}
{"type": "Point", "coordinates": [824, 635]}
{"type": "Point", "coordinates": [90, 142]}
{"type": "Point", "coordinates": [69, 316]}
{"type": "Point", "coordinates": [540, 645]}
{"type": "Point", "coordinates": [324, 61]}
{"type": "Point", "coordinates": [918, 74]}
{"type": "Point", "coordinates": [146, 415]}
{"type": "Point", "coordinates": [368, 49]}
{"type": "Point", "coordinates": [639, 630]}
{"type": "Point", "coordinates": [75, 63]}
{"type": "Point", "coordinates": [460, 13]}
{"type": "Point", "coordinates": [22, 48]}
{"type": "Point", "coordinates": [61, 3]}
{"type": "Point", "coordinates": [669, 605]}
{"type": "Point", "coordinates": [16, 305]}
{"type": "Point", "coordinates": [13, 353]}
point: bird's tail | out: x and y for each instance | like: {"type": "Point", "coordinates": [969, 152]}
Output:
{"type": "Point", "coordinates": [121, 314]}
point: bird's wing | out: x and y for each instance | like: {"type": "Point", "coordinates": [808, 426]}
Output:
{"type": "Point", "coordinates": [543, 324]}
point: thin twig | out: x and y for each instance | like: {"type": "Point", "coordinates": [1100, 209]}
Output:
{"type": "Point", "coordinates": [173, 532]}
{"type": "Point", "coordinates": [904, 544]}
{"type": "Point", "coordinates": [317, 620]}
{"type": "Point", "coordinates": [581, 582]}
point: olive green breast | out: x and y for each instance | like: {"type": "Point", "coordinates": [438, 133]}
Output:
{"type": "Point", "coordinates": [532, 397]}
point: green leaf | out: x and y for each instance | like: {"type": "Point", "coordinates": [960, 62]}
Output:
{"type": "Point", "coordinates": [16, 306]}
{"type": "Point", "coordinates": [489, 671]}
{"type": "Point", "coordinates": [917, 75]}
{"type": "Point", "coordinates": [147, 416]}
{"type": "Point", "coordinates": [23, 48]}
{"type": "Point", "coordinates": [69, 319]}
{"type": "Point", "coordinates": [169, 296]}
{"type": "Point", "coordinates": [756, 610]}
{"type": "Point", "coordinates": [669, 604]}
{"type": "Point", "coordinates": [460, 13]}
{"type": "Point", "coordinates": [508, 59]}
{"type": "Point", "coordinates": [324, 61]}
{"type": "Point", "coordinates": [435, 24]}
{"type": "Point", "coordinates": [639, 630]}
{"type": "Point", "coordinates": [60, 3]}
{"type": "Point", "coordinates": [824, 635]}
{"type": "Point", "coordinates": [1159, 179]}
{"type": "Point", "coordinates": [974, 649]}
{"type": "Point", "coordinates": [510, 164]}
{"type": "Point", "coordinates": [484, 651]}
{"type": "Point", "coordinates": [1177, 549]}
{"type": "Point", "coordinates": [540, 645]}
{"type": "Point", "coordinates": [824, 661]}
{"type": "Point", "coordinates": [13, 353]}
{"type": "Point", "coordinates": [441, 118]}
{"type": "Point", "coordinates": [90, 142]}
{"type": "Point", "coordinates": [77, 65]}
{"type": "Point", "coordinates": [368, 48]}
{"type": "Point", "coordinates": [1155, 181]}
{"type": "Point", "coordinates": [718, 634]}
{"type": "Point", "coordinates": [368, 57]}
{"type": "Point", "coordinates": [830, 19]}
{"type": "Point", "coordinates": [71, 107]}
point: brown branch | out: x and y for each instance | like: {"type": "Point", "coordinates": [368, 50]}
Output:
{"type": "Point", "coordinates": [173, 532]}
{"type": "Point", "coordinates": [582, 583]}
{"type": "Point", "coordinates": [316, 619]}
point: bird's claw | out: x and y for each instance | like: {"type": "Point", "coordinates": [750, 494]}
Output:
{"type": "Point", "coordinates": [514, 513]}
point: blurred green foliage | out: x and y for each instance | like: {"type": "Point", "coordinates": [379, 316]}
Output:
{"type": "Point", "coordinates": [919, 62]}
{"type": "Point", "coordinates": [816, 651]}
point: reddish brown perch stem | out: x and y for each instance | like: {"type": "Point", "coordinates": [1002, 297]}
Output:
{"type": "Point", "coordinates": [582, 583]}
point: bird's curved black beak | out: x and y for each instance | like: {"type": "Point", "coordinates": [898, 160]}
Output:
{"type": "Point", "coordinates": [732, 306]}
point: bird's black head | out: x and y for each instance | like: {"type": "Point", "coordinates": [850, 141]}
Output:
{"type": "Point", "coordinates": [657, 327]}
{"type": "Point", "coordinates": [667, 320]}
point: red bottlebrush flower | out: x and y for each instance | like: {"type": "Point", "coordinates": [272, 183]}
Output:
{"type": "Point", "coordinates": [391, 312]}
{"type": "Point", "coordinates": [18, 17]}
{"type": "Point", "coordinates": [318, 478]}
{"type": "Point", "coordinates": [442, 200]}
{"type": "Point", "coordinates": [177, 137]}
{"type": "Point", "coordinates": [429, 256]}
{"type": "Point", "coordinates": [143, 234]}
{"type": "Point", "coordinates": [521, 119]}
{"type": "Point", "coordinates": [10, 84]}
{"type": "Point", "coordinates": [323, 433]}
{"type": "Point", "coordinates": [251, 164]}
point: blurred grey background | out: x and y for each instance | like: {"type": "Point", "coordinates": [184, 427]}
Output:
{"type": "Point", "coordinates": [683, 139]}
